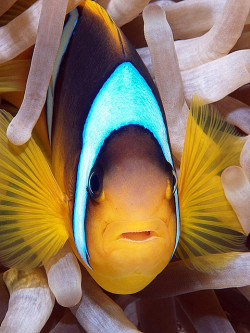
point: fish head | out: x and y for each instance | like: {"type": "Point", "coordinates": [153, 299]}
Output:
{"type": "Point", "coordinates": [130, 217]}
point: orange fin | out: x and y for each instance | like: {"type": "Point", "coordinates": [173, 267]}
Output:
{"type": "Point", "coordinates": [208, 222]}
{"type": "Point", "coordinates": [33, 209]}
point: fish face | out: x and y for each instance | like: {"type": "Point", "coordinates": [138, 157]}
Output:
{"type": "Point", "coordinates": [131, 225]}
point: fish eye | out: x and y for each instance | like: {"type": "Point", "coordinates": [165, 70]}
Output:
{"type": "Point", "coordinates": [171, 182]}
{"type": "Point", "coordinates": [174, 186]}
{"type": "Point", "coordinates": [95, 183]}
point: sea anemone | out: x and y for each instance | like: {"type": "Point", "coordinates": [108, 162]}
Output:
{"type": "Point", "coordinates": [190, 47]}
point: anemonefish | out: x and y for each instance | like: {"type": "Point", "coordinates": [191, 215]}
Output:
{"type": "Point", "coordinates": [125, 211]}
{"type": "Point", "coordinates": [110, 186]}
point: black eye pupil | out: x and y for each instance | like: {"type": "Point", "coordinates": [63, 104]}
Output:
{"type": "Point", "coordinates": [95, 182]}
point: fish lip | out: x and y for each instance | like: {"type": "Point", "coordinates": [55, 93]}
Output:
{"type": "Point", "coordinates": [138, 236]}
{"type": "Point", "coordinates": [135, 231]}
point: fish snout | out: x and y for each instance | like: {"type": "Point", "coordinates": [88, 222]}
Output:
{"type": "Point", "coordinates": [131, 254]}
{"type": "Point", "coordinates": [145, 246]}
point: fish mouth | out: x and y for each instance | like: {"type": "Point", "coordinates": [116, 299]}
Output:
{"type": "Point", "coordinates": [138, 236]}
{"type": "Point", "coordinates": [134, 231]}
{"type": "Point", "coordinates": [135, 248]}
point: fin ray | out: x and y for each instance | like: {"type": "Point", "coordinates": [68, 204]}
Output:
{"type": "Point", "coordinates": [33, 210]}
{"type": "Point", "coordinates": [208, 222]}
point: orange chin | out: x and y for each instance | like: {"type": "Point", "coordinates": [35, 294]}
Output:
{"type": "Point", "coordinates": [127, 256]}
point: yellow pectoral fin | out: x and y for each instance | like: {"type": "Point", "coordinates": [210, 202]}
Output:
{"type": "Point", "coordinates": [208, 222]}
{"type": "Point", "coordinates": [33, 209]}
